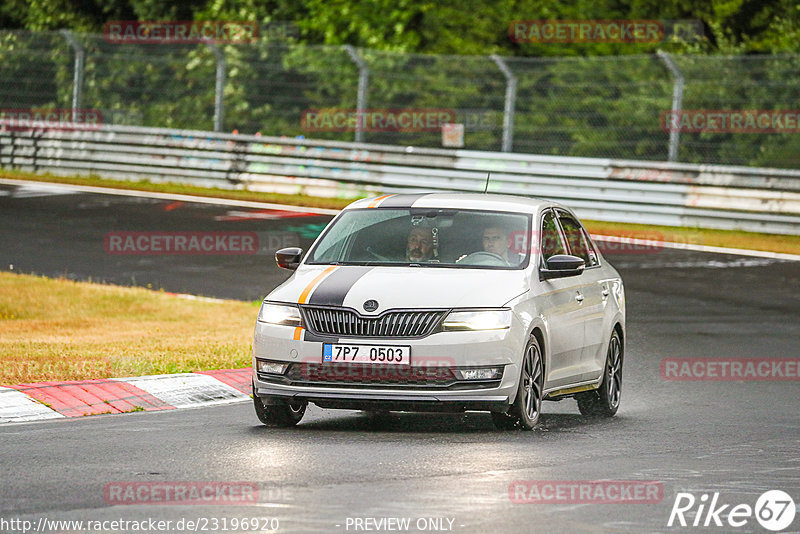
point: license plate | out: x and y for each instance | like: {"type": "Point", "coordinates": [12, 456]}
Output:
{"type": "Point", "coordinates": [384, 354]}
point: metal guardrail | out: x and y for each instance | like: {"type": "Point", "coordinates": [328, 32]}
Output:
{"type": "Point", "coordinates": [745, 198]}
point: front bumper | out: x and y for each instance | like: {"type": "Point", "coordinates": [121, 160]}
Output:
{"type": "Point", "coordinates": [350, 400]}
{"type": "Point", "coordinates": [441, 351]}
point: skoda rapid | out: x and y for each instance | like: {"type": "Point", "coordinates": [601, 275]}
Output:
{"type": "Point", "coordinates": [443, 302]}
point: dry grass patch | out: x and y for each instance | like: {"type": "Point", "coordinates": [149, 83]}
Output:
{"type": "Point", "coordinates": [55, 329]}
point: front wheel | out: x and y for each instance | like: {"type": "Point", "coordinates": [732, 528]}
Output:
{"type": "Point", "coordinates": [604, 401]}
{"type": "Point", "coordinates": [282, 415]}
{"type": "Point", "coordinates": [527, 407]}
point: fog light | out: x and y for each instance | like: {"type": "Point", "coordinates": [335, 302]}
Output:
{"type": "Point", "coordinates": [274, 368]}
{"type": "Point", "coordinates": [485, 373]}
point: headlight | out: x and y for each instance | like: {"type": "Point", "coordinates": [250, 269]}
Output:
{"type": "Point", "coordinates": [281, 314]}
{"type": "Point", "coordinates": [478, 320]}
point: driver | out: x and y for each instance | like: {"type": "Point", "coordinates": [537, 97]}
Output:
{"type": "Point", "coordinates": [419, 246]}
{"type": "Point", "coordinates": [495, 240]}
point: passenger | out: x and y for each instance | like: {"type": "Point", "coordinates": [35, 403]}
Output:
{"type": "Point", "coordinates": [419, 246]}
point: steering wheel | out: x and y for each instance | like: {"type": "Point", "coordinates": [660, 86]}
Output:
{"type": "Point", "coordinates": [483, 258]}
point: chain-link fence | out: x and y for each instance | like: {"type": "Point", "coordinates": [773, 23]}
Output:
{"type": "Point", "coordinates": [595, 107]}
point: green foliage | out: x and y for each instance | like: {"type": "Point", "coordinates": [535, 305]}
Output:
{"type": "Point", "coordinates": [442, 27]}
{"type": "Point", "coordinates": [571, 98]}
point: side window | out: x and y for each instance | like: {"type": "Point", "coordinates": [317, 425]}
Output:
{"type": "Point", "coordinates": [551, 241]}
{"type": "Point", "coordinates": [576, 240]}
{"type": "Point", "coordinates": [593, 259]}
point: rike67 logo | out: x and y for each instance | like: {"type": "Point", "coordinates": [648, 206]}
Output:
{"type": "Point", "coordinates": [774, 510]}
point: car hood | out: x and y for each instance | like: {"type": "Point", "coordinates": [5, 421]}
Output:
{"type": "Point", "coordinates": [400, 287]}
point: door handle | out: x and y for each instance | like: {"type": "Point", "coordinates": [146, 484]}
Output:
{"type": "Point", "coordinates": [579, 297]}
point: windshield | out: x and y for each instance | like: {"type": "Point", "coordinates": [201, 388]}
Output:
{"type": "Point", "coordinates": [427, 237]}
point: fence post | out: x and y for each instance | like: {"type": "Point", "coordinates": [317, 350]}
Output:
{"type": "Point", "coordinates": [511, 98]}
{"type": "Point", "coordinates": [77, 78]}
{"type": "Point", "coordinates": [363, 82]}
{"type": "Point", "coordinates": [677, 103]}
{"type": "Point", "coordinates": [219, 90]}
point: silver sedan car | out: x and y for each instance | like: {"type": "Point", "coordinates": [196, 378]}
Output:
{"type": "Point", "coordinates": [443, 302]}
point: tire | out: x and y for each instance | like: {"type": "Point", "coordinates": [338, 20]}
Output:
{"type": "Point", "coordinates": [527, 407]}
{"type": "Point", "coordinates": [282, 415]}
{"type": "Point", "coordinates": [604, 401]}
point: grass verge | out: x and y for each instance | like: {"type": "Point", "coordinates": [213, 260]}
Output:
{"type": "Point", "coordinates": [55, 329]}
{"type": "Point", "coordinates": [789, 244]}
{"type": "Point", "coordinates": [182, 189]}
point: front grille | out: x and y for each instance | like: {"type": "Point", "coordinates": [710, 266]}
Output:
{"type": "Point", "coordinates": [355, 375]}
{"type": "Point", "coordinates": [348, 323]}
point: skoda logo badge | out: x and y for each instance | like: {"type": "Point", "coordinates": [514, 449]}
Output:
{"type": "Point", "coordinates": [371, 305]}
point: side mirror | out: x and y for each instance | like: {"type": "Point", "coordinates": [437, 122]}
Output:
{"type": "Point", "coordinates": [289, 258]}
{"type": "Point", "coordinates": [562, 266]}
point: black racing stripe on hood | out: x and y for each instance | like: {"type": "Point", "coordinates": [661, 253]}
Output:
{"type": "Point", "coordinates": [333, 289]}
{"type": "Point", "coordinates": [401, 201]}
{"type": "Point", "coordinates": [309, 336]}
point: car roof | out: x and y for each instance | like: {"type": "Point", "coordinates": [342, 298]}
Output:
{"type": "Point", "coordinates": [479, 201]}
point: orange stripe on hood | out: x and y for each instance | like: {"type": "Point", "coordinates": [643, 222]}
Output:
{"type": "Point", "coordinates": [377, 201]}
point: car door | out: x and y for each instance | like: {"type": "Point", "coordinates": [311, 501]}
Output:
{"type": "Point", "coordinates": [594, 289]}
{"type": "Point", "coordinates": [561, 308]}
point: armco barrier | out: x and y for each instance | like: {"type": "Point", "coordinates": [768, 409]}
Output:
{"type": "Point", "coordinates": [711, 196]}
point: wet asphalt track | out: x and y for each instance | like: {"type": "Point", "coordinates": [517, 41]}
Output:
{"type": "Point", "coordinates": [736, 438]}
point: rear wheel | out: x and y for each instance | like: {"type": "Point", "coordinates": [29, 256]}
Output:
{"type": "Point", "coordinates": [281, 414]}
{"type": "Point", "coordinates": [604, 401]}
{"type": "Point", "coordinates": [527, 407]}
